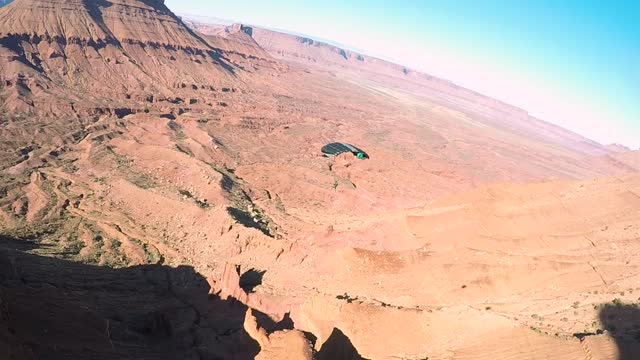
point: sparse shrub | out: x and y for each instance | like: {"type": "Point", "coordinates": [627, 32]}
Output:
{"type": "Point", "coordinates": [487, 308]}
{"type": "Point", "coordinates": [617, 302]}
{"type": "Point", "coordinates": [279, 205]}
{"type": "Point", "coordinates": [576, 304]}
{"type": "Point", "coordinates": [203, 204]}
{"type": "Point", "coordinates": [115, 244]}
{"type": "Point", "coordinates": [142, 181]}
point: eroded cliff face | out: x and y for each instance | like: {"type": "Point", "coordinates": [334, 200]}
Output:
{"type": "Point", "coordinates": [91, 52]}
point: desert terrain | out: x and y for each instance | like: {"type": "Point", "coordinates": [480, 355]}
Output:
{"type": "Point", "coordinates": [163, 196]}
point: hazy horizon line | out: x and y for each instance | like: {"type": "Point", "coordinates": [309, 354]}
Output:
{"type": "Point", "coordinates": [227, 22]}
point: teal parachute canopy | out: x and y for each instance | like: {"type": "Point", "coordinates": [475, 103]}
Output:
{"type": "Point", "coordinates": [338, 148]}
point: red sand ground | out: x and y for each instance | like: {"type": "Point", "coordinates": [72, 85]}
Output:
{"type": "Point", "coordinates": [142, 161]}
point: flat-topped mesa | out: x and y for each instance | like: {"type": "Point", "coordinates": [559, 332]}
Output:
{"type": "Point", "coordinates": [240, 28]}
{"type": "Point", "coordinates": [233, 39]}
{"type": "Point", "coordinates": [101, 50]}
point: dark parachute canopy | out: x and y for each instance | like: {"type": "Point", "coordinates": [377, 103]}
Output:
{"type": "Point", "coordinates": [336, 148]}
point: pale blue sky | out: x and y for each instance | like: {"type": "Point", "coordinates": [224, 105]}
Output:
{"type": "Point", "coordinates": [574, 63]}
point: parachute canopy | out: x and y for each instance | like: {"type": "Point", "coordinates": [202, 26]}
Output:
{"type": "Point", "coordinates": [334, 149]}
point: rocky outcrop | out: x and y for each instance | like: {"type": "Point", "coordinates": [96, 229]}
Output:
{"type": "Point", "coordinates": [240, 28]}
{"type": "Point", "coordinates": [228, 287]}
{"type": "Point", "coordinates": [285, 344]}
{"type": "Point", "coordinates": [317, 315]}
